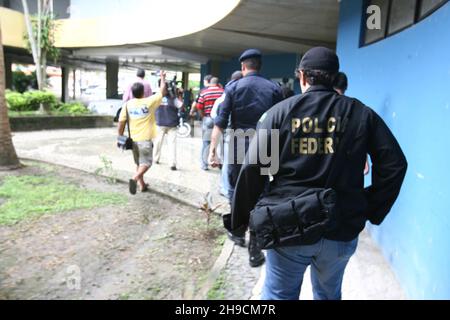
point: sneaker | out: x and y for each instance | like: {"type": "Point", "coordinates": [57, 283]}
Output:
{"type": "Point", "coordinates": [173, 168]}
{"type": "Point", "coordinates": [256, 257]}
{"type": "Point", "coordinates": [132, 186]}
{"type": "Point", "coordinates": [240, 241]}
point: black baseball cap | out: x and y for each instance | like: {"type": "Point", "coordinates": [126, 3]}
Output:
{"type": "Point", "coordinates": [320, 58]}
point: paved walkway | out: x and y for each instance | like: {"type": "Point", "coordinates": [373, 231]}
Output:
{"type": "Point", "coordinates": [368, 276]}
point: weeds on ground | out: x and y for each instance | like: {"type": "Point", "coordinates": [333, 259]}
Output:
{"type": "Point", "coordinates": [107, 170]}
{"type": "Point", "coordinates": [208, 209]}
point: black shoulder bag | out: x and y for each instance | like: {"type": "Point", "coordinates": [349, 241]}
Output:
{"type": "Point", "coordinates": [125, 142]}
{"type": "Point", "coordinates": [301, 216]}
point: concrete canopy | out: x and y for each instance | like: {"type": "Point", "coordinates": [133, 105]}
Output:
{"type": "Point", "coordinates": [274, 26]}
{"type": "Point", "coordinates": [181, 35]}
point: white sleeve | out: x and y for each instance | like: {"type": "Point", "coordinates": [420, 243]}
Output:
{"type": "Point", "coordinates": [216, 105]}
{"type": "Point", "coordinates": [178, 103]}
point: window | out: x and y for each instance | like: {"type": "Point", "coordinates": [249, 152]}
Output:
{"type": "Point", "coordinates": [429, 6]}
{"type": "Point", "coordinates": [402, 15]}
{"type": "Point", "coordinates": [396, 15]}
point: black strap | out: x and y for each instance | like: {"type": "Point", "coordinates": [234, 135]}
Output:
{"type": "Point", "coordinates": [128, 122]}
{"type": "Point", "coordinates": [351, 126]}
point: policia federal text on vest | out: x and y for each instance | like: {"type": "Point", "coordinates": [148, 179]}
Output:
{"type": "Point", "coordinates": [299, 171]}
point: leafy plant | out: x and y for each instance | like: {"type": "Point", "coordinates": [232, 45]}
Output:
{"type": "Point", "coordinates": [107, 170]}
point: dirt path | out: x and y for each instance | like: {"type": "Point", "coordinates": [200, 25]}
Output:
{"type": "Point", "coordinates": [151, 248]}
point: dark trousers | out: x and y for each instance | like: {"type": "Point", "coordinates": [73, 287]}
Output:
{"type": "Point", "coordinates": [235, 161]}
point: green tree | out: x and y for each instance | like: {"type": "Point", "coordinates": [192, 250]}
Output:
{"type": "Point", "coordinates": [41, 42]}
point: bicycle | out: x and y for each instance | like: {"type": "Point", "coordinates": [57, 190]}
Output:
{"type": "Point", "coordinates": [183, 128]}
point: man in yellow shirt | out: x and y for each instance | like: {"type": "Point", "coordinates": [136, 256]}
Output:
{"type": "Point", "coordinates": [141, 117]}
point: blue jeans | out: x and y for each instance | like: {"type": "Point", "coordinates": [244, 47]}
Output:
{"type": "Point", "coordinates": [285, 268]}
{"type": "Point", "coordinates": [207, 126]}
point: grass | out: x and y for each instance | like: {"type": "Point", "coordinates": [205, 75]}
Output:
{"type": "Point", "coordinates": [34, 196]}
{"type": "Point", "coordinates": [219, 242]}
{"type": "Point", "coordinates": [217, 291]}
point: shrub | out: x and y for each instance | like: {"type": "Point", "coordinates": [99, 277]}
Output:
{"type": "Point", "coordinates": [29, 101]}
{"type": "Point", "coordinates": [72, 108]}
{"type": "Point", "coordinates": [16, 101]}
{"type": "Point", "coordinates": [35, 98]}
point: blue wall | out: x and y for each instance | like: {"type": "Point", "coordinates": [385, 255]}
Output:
{"type": "Point", "coordinates": [406, 79]}
{"type": "Point", "coordinates": [274, 66]}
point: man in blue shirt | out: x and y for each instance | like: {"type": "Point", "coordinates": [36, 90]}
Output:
{"type": "Point", "coordinates": [246, 100]}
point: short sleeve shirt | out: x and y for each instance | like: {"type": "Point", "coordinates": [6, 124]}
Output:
{"type": "Point", "coordinates": [142, 118]}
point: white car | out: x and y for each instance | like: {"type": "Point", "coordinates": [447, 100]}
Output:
{"type": "Point", "coordinates": [105, 107]}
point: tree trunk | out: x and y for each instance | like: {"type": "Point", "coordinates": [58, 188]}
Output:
{"type": "Point", "coordinates": [43, 65]}
{"type": "Point", "coordinates": [8, 156]}
{"type": "Point", "coordinates": [33, 43]}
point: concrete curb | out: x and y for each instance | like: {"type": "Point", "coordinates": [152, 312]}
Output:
{"type": "Point", "coordinates": [217, 268]}
{"type": "Point", "coordinates": [48, 122]}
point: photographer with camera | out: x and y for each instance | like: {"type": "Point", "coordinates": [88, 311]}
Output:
{"type": "Point", "coordinates": [139, 114]}
{"type": "Point", "coordinates": [167, 120]}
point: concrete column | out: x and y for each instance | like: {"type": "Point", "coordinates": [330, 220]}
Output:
{"type": "Point", "coordinates": [8, 73]}
{"type": "Point", "coordinates": [212, 68]}
{"type": "Point", "coordinates": [65, 84]}
{"type": "Point", "coordinates": [185, 80]}
{"type": "Point", "coordinates": [215, 68]}
{"type": "Point", "coordinates": [112, 78]}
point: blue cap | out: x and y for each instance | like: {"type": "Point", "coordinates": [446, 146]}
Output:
{"type": "Point", "coordinates": [250, 53]}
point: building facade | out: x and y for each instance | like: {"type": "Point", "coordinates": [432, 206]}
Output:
{"type": "Point", "coordinates": [403, 72]}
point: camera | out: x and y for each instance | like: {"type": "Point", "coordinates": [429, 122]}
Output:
{"type": "Point", "coordinates": [172, 87]}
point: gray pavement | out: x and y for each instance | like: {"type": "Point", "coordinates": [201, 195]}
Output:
{"type": "Point", "coordinates": [368, 276]}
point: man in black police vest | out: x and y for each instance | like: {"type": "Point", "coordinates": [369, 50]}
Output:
{"type": "Point", "coordinates": [314, 208]}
